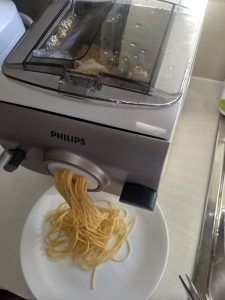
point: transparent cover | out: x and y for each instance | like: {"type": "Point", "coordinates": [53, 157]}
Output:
{"type": "Point", "coordinates": [117, 39]}
{"type": "Point", "coordinates": [143, 46]}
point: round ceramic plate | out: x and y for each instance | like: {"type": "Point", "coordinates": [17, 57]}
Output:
{"type": "Point", "coordinates": [135, 278]}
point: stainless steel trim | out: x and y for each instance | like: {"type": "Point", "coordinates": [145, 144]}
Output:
{"type": "Point", "coordinates": [80, 163]}
{"type": "Point", "coordinates": [123, 155]}
{"type": "Point", "coordinates": [207, 252]}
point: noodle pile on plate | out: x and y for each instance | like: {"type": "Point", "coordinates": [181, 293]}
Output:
{"type": "Point", "coordinates": [89, 233]}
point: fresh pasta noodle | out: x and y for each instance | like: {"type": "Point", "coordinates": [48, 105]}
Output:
{"type": "Point", "coordinates": [86, 231]}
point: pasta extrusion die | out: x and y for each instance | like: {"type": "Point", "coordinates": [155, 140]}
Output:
{"type": "Point", "coordinates": [97, 86]}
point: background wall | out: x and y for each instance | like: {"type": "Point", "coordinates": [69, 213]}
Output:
{"type": "Point", "coordinates": [210, 61]}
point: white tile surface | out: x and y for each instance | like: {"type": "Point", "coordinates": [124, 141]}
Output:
{"type": "Point", "coordinates": [181, 195]}
{"type": "Point", "coordinates": [210, 60]}
{"type": "Point", "coordinates": [184, 185]}
{"type": "Point", "coordinates": [18, 193]}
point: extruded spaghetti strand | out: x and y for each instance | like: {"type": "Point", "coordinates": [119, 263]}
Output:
{"type": "Point", "coordinates": [89, 233]}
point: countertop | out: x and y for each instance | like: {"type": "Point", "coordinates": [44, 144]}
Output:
{"type": "Point", "coordinates": [181, 195]}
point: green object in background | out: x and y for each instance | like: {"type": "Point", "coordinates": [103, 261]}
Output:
{"type": "Point", "coordinates": [222, 106]}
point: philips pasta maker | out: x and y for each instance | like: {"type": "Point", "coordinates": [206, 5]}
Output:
{"type": "Point", "coordinates": [97, 86]}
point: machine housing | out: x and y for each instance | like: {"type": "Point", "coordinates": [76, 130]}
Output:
{"type": "Point", "coordinates": [97, 86]}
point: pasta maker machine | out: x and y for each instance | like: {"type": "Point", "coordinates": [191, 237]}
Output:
{"type": "Point", "coordinates": [97, 86]}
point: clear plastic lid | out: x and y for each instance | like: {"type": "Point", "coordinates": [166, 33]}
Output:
{"type": "Point", "coordinates": [124, 44]}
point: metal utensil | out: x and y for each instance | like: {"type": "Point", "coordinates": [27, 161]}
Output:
{"type": "Point", "coordinates": [209, 273]}
{"type": "Point", "coordinates": [217, 267]}
{"type": "Point", "coordinates": [190, 288]}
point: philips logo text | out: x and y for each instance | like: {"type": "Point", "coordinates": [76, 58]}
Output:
{"type": "Point", "coordinates": [67, 138]}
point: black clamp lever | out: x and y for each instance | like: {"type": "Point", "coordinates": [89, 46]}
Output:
{"type": "Point", "coordinates": [17, 156]}
{"type": "Point", "coordinates": [138, 195]}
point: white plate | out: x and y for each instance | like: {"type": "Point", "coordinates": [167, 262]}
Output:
{"type": "Point", "coordinates": [134, 279]}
